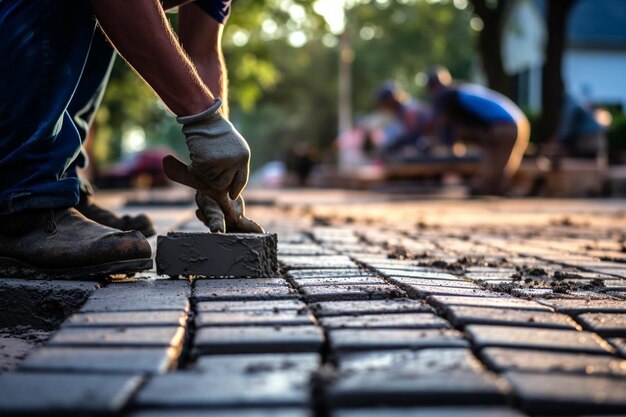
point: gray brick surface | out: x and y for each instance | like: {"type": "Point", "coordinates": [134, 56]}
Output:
{"type": "Point", "coordinates": [234, 381]}
{"type": "Point", "coordinates": [605, 324]}
{"type": "Point", "coordinates": [619, 343]}
{"type": "Point", "coordinates": [127, 319]}
{"type": "Point", "coordinates": [216, 254]}
{"type": "Point", "coordinates": [254, 318]}
{"type": "Point", "coordinates": [103, 360]}
{"type": "Point", "coordinates": [443, 301]}
{"type": "Point", "coordinates": [356, 280]}
{"type": "Point", "coordinates": [462, 316]}
{"type": "Point", "coordinates": [243, 293]}
{"type": "Point", "coordinates": [258, 339]}
{"type": "Point", "coordinates": [569, 394]}
{"type": "Point", "coordinates": [543, 339]}
{"type": "Point", "coordinates": [502, 359]}
{"type": "Point", "coordinates": [393, 306]}
{"type": "Point", "coordinates": [350, 292]}
{"type": "Point", "coordinates": [574, 306]}
{"type": "Point", "coordinates": [136, 304]}
{"type": "Point", "coordinates": [119, 337]}
{"type": "Point", "coordinates": [328, 273]}
{"type": "Point", "coordinates": [471, 411]}
{"type": "Point", "coordinates": [254, 412]}
{"type": "Point", "coordinates": [33, 392]}
{"type": "Point", "coordinates": [387, 321]}
{"type": "Point", "coordinates": [317, 262]}
{"type": "Point", "coordinates": [379, 339]}
{"type": "Point", "coordinates": [423, 377]}
{"type": "Point", "coordinates": [255, 305]}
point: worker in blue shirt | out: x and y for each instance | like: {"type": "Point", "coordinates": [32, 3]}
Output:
{"type": "Point", "coordinates": [475, 114]}
{"type": "Point", "coordinates": [56, 60]}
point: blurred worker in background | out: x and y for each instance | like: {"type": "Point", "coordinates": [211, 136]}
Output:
{"type": "Point", "coordinates": [475, 114]}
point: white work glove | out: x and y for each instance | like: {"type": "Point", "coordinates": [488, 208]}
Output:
{"type": "Point", "coordinates": [220, 156]}
{"type": "Point", "coordinates": [210, 213]}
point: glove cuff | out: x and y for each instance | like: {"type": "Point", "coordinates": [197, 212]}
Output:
{"type": "Point", "coordinates": [202, 115]}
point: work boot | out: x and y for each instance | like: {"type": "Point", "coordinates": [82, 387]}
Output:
{"type": "Point", "coordinates": [62, 243]}
{"type": "Point", "coordinates": [89, 209]}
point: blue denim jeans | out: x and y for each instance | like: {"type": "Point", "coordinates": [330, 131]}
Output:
{"type": "Point", "coordinates": [54, 68]}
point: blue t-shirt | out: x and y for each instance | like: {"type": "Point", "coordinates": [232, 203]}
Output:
{"type": "Point", "coordinates": [217, 9]}
{"type": "Point", "coordinates": [476, 105]}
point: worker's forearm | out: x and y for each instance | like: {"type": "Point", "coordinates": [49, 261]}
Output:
{"type": "Point", "coordinates": [212, 70]}
{"type": "Point", "coordinates": [142, 35]}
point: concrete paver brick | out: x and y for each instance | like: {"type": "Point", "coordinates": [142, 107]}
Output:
{"type": "Point", "coordinates": [575, 394]}
{"type": "Point", "coordinates": [574, 306]}
{"type": "Point", "coordinates": [619, 343]}
{"type": "Point", "coordinates": [464, 315]}
{"type": "Point", "coordinates": [127, 319]}
{"type": "Point", "coordinates": [380, 339]}
{"type": "Point", "coordinates": [253, 305]}
{"type": "Point", "coordinates": [328, 273]}
{"type": "Point", "coordinates": [471, 411]}
{"type": "Point", "coordinates": [531, 338]}
{"type": "Point", "coordinates": [444, 301]}
{"type": "Point", "coordinates": [317, 262]}
{"type": "Point", "coordinates": [356, 280]}
{"type": "Point", "coordinates": [502, 359]}
{"type": "Point", "coordinates": [119, 337]}
{"type": "Point", "coordinates": [605, 324]}
{"type": "Point", "coordinates": [136, 304]}
{"type": "Point", "coordinates": [217, 254]}
{"type": "Point", "coordinates": [62, 393]}
{"type": "Point", "coordinates": [250, 412]}
{"type": "Point", "coordinates": [350, 292]}
{"type": "Point", "coordinates": [103, 360]}
{"type": "Point", "coordinates": [243, 293]}
{"type": "Point", "coordinates": [254, 318]}
{"type": "Point", "coordinates": [386, 321]}
{"type": "Point", "coordinates": [258, 339]}
{"type": "Point", "coordinates": [391, 306]}
{"type": "Point", "coordinates": [422, 273]}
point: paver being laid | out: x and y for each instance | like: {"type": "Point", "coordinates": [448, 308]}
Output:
{"type": "Point", "coordinates": [234, 381]}
{"type": "Point", "coordinates": [605, 324]}
{"type": "Point", "coordinates": [254, 318]}
{"type": "Point", "coordinates": [101, 359]}
{"type": "Point", "coordinates": [258, 339]}
{"type": "Point", "coordinates": [464, 315]}
{"type": "Point", "coordinates": [405, 377]}
{"type": "Point", "coordinates": [127, 319]}
{"type": "Point", "coordinates": [470, 411]}
{"type": "Point", "coordinates": [217, 254]}
{"type": "Point", "coordinates": [385, 321]}
{"type": "Point", "coordinates": [568, 394]}
{"type": "Point", "coordinates": [531, 338]}
{"type": "Point", "coordinates": [503, 359]}
{"type": "Point", "coordinates": [350, 292]}
{"type": "Point", "coordinates": [119, 337]}
{"type": "Point", "coordinates": [391, 306]}
{"type": "Point", "coordinates": [380, 339]}
{"type": "Point", "coordinates": [254, 305]}
{"type": "Point", "coordinates": [64, 393]}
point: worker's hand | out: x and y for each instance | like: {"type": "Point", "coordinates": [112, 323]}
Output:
{"type": "Point", "coordinates": [220, 156]}
{"type": "Point", "coordinates": [210, 213]}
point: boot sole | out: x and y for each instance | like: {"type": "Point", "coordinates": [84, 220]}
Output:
{"type": "Point", "coordinates": [14, 268]}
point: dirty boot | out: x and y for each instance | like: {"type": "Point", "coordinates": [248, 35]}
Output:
{"type": "Point", "coordinates": [62, 243]}
{"type": "Point", "coordinates": [89, 209]}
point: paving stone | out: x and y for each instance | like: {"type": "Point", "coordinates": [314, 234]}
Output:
{"type": "Point", "coordinates": [102, 360]}
{"type": "Point", "coordinates": [217, 254]}
{"type": "Point", "coordinates": [258, 339]}
{"type": "Point", "coordinates": [563, 394]}
{"type": "Point", "coordinates": [234, 381]}
{"type": "Point", "coordinates": [380, 339]}
{"type": "Point", "coordinates": [317, 262]}
{"type": "Point", "coordinates": [405, 377]}
{"type": "Point", "coordinates": [350, 292]}
{"type": "Point", "coordinates": [443, 283]}
{"type": "Point", "coordinates": [119, 337]}
{"type": "Point", "coordinates": [576, 307]}
{"type": "Point", "coordinates": [471, 411]}
{"type": "Point", "coordinates": [205, 284]}
{"type": "Point", "coordinates": [328, 273]}
{"type": "Point", "coordinates": [502, 359]}
{"type": "Point", "coordinates": [392, 306]}
{"type": "Point", "coordinates": [464, 315]}
{"type": "Point", "coordinates": [422, 273]}
{"type": "Point", "coordinates": [422, 291]}
{"type": "Point", "coordinates": [606, 325]}
{"type": "Point", "coordinates": [299, 249]}
{"type": "Point", "coordinates": [356, 280]}
{"type": "Point", "coordinates": [255, 305]}
{"type": "Point", "coordinates": [619, 344]}
{"type": "Point", "coordinates": [136, 304]}
{"type": "Point", "coordinates": [253, 412]}
{"type": "Point", "coordinates": [255, 318]}
{"type": "Point", "coordinates": [531, 338]}
{"type": "Point", "coordinates": [243, 293]}
{"type": "Point", "coordinates": [145, 288]}
{"type": "Point", "coordinates": [127, 319]}
{"type": "Point", "coordinates": [34, 392]}
{"type": "Point", "coordinates": [444, 301]}
{"type": "Point", "coordinates": [386, 321]}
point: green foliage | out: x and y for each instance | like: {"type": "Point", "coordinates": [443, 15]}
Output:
{"type": "Point", "coordinates": [284, 90]}
{"type": "Point", "coordinates": [617, 134]}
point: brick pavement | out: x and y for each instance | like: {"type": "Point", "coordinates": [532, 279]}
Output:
{"type": "Point", "coordinates": [476, 316]}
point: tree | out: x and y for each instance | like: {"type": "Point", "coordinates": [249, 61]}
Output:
{"type": "Point", "coordinates": [493, 14]}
